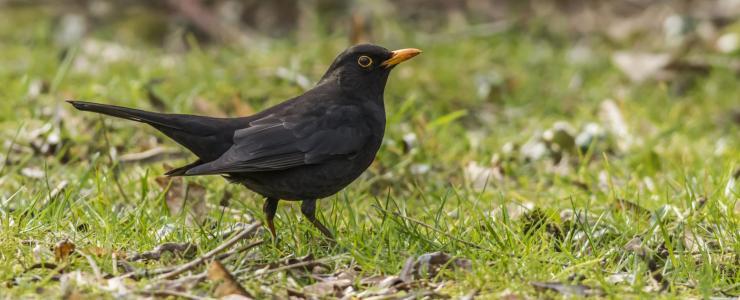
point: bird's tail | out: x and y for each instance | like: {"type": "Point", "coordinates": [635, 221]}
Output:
{"type": "Point", "coordinates": [123, 112]}
{"type": "Point", "coordinates": [206, 137]}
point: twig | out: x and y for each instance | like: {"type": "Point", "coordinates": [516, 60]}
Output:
{"type": "Point", "coordinates": [156, 253]}
{"type": "Point", "coordinates": [151, 155]}
{"type": "Point", "coordinates": [291, 266]}
{"type": "Point", "coordinates": [131, 272]}
{"type": "Point", "coordinates": [239, 250]}
{"type": "Point", "coordinates": [187, 266]}
{"type": "Point", "coordinates": [234, 228]}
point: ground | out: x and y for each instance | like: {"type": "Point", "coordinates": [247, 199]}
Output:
{"type": "Point", "coordinates": [521, 163]}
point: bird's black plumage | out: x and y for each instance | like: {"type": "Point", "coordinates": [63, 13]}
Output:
{"type": "Point", "coordinates": [305, 148]}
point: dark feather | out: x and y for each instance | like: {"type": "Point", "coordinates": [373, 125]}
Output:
{"type": "Point", "coordinates": [272, 143]}
{"type": "Point", "coordinates": [206, 137]}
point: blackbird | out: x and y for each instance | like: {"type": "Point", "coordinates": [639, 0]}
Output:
{"type": "Point", "coordinates": [306, 148]}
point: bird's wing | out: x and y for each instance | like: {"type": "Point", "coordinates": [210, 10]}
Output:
{"type": "Point", "coordinates": [278, 143]}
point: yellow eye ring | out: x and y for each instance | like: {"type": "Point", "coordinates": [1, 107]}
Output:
{"type": "Point", "coordinates": [364, 61]}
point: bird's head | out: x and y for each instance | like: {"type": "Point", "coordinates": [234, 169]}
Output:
{"type": "Point", "coordinates": [363, 69]}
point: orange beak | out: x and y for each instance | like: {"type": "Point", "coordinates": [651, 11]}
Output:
{"type": "Point", "coordinates": [400, 56]}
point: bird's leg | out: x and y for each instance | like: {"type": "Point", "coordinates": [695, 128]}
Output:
{"type": "Point", "coordinates": [308, 208]}
{"type": "Point", "coordinates": [269, 208]}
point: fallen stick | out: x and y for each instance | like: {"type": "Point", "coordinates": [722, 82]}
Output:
{"type": "Point", "coordinates": [289, 267]}
{"type": "Point", "coordinates": [192, 264]}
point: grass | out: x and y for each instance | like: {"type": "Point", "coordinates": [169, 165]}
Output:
{"type": "Point", "coordinates": [677, 175]}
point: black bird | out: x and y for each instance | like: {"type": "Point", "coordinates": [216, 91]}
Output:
{"type": "Point", "coordinates": [306, 148]}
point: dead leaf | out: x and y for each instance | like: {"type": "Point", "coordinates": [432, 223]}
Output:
{"type": "Point", "coordinates": [181, 197]}
{"type": "Point", "coordinates": [63, 249]}
{"type": "Point", "coordinates": [640, 66]}
{"type": "Point", "coordinates": [567, 289]}
{"type": "Point", "coordinates": [635, 245]}
{"type": "Point", "coordinates": [164, 231]}
{"type": "Point", "coordinates": [382, 281]}
{"type": "Point", "coordinates": [57, 190]}
{"type": "Point", "coordinates": [514, 211]}
{"type": "Point", "coordinates": [33, 172]}
{"type": "Point", "coordinates": [621, 278]}
{"type": "Point", "coordinates": [406, 271]}
{"type": "Point", "coordinates": [428, 265]}
{"type": "Point", "coordinates": [658, 282]}
{"type": "Point", "coordinates": [481, 176]}
{"type": "Point", "coordinates": [611, 117]}
{"type": "Point", "coordinates": [327, 288]}
{"type": "Point", "coordinates": [226, 284]}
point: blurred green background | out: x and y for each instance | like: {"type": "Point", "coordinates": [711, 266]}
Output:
{"type": "Point", "coordinates": [533, 129]}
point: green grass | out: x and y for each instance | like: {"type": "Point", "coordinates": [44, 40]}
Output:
{"type": "Point", "coordinates": [685, 149]}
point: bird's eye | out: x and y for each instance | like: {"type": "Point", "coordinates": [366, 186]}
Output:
{"type": "Point", "coordinates": [364, 61]}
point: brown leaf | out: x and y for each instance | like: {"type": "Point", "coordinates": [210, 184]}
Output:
{"type": "Point", "coordinates": [407, 270]}
{"type": "Point", "coordinates": [428, 265]}
{"type": "Point", "coordinates": [184, 197]}
{"type": "Point", "coordinates": [375, 279]}
{"type": "Point", "coordinates": [635, 245]}
{"type": "Point", "coordinates": [432, 262]}
{"type": "Point", "coordinates": [626, 205]}
{"type": "Point", "coordinates": [567, 289]}
{"type": "Point", "coordinates": [327, 288]}
{"type": "Point", "coordinates": [63, 249]}
{"type": "Point", "coordinates": [226, 284]}
{"type": "Point", "coordinates": [390, 281]}
{"type": "Point", "coordinates": [482, 176]}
